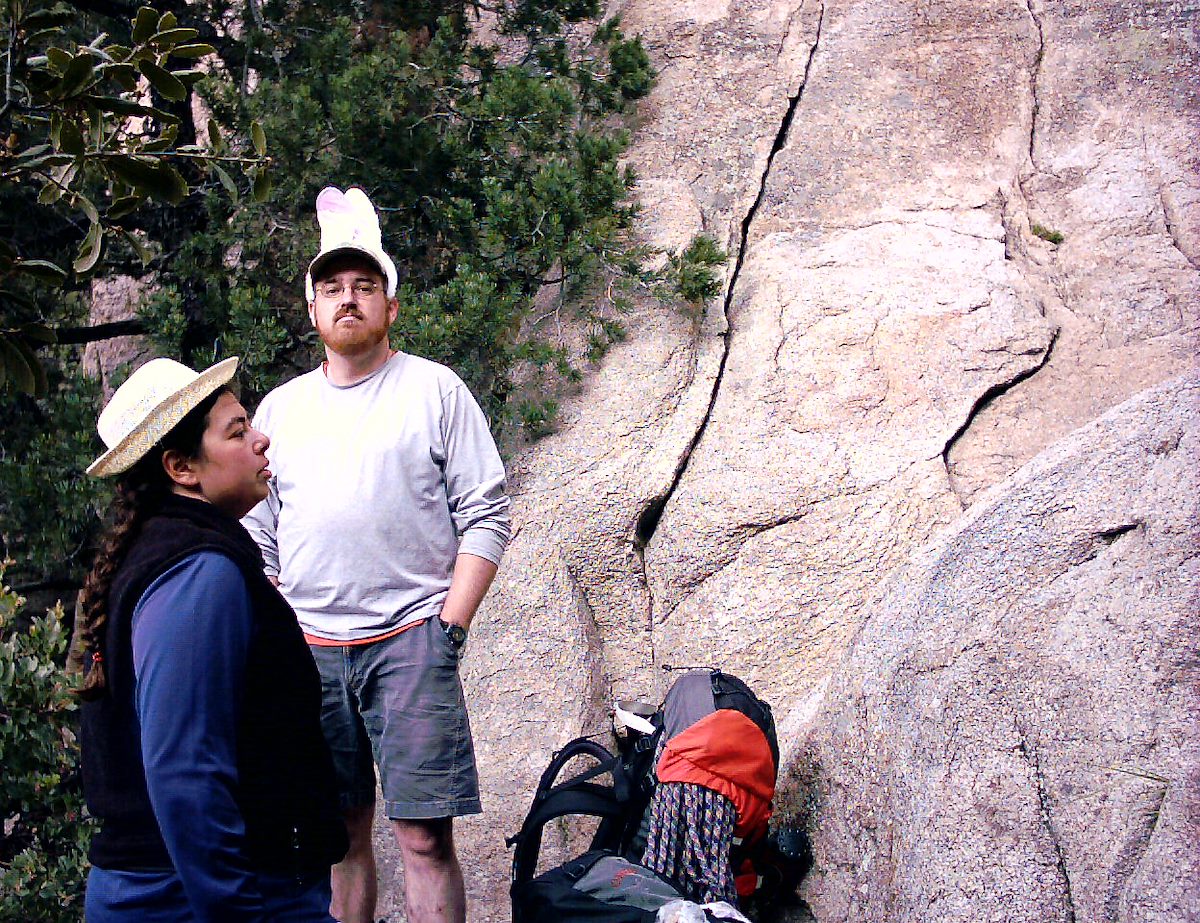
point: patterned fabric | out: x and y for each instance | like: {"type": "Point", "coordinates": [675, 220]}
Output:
{"type": "Point", "coordinates": [689, 838]}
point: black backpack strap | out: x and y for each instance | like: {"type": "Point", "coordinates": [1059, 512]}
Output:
{"type": "Point", "coordinates": [588, 799]}
{"type": "Point", "coordinates": [731, 692]}
{"type": "Point", "coordinates": [635, 778]}
{"type": "Point", "coordinates": [577, 795]}
{"type": "Point", "coordinates": [580, 746]}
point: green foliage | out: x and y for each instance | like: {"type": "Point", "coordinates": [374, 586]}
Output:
{"type": "Point", "coordinates": [99, 167]}
{"type": "Point", "coordinates": [86, 147]}
{"type": "Point", "coordinates": [631, 72]}
{"type": "Point", "coordinates": [255, 331]}
{"type": "Point", "coordinates": [165, 320]}
{"type": "Point", "coordinates": [537, 416]}
{"type": "Point", "coordinates": [691, 275]}
{"type": "Point", "coordinates": [43, 844]}
{"type": "Point", "coordinates": [48, 506]}
{"type": "Point", "coordinates": [1054, 237]}
{"type": "Point", "coordinates": [245, 322]}
{"type": "Point", "coordinates": [493, 173]}
{"type": "Point", "coordinates": [498, 173]}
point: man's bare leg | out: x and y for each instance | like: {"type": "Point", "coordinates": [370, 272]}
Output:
{"type": "Point", "coordinates": [354, 879]}
{"type": "Point", "coordinates": [433, 880]}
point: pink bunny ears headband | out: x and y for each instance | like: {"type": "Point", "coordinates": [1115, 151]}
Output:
{"type": "Point", "coordinates": [349, 224]}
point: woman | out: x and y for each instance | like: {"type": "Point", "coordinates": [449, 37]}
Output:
{"type": "Point", "coordinates": [202, 750]}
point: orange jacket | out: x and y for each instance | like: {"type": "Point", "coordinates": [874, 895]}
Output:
{"type": "Point", "coordinates": [726, 752]}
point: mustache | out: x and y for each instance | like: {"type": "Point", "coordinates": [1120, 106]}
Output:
{"type": "Point", "coordinates": [347, 312]}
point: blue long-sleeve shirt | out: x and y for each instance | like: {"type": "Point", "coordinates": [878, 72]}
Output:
{"type": "Point", "coordinates": [191, 633]}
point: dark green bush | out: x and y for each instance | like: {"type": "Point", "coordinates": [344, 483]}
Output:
{"type": "Point", "coordinates": [43, 844]}
{"type": "Point", "coordinates": [692, 274]}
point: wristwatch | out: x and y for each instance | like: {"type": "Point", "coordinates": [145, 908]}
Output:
{"type": "Point", "coordinates": [456, 633]}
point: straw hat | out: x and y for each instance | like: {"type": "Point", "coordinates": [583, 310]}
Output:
{"type": "Point", "coordinates": [349, 224]}
{"type": "Point", "coordinates": [148, 406]}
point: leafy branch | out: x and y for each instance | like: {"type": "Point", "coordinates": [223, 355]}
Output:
{"type": "Point", "coordinates": [89, 127]}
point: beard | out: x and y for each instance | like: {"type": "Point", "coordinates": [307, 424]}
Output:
{"type": "Point", "coordinates": [356, 338]}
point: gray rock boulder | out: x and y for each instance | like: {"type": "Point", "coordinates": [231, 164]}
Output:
{"type": "Point", "coordinates": [113, 299]}
{"type": "Point", "coordinates": [1015, 732]}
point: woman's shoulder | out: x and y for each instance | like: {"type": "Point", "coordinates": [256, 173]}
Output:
{"type": "Point", "coordinates": [206, 571]}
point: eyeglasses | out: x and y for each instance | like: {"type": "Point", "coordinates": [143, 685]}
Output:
{"type": "Point", "coordinates": [362, 288]}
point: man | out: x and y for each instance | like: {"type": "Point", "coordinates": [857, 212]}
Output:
{"type": "Point", "coordinates": [384, 526]}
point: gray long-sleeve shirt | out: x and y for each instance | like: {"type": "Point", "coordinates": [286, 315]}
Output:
{"type": "Point", "coordinates": [376, 488]}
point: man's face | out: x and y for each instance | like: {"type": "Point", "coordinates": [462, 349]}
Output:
{"type": "Point", "coordinates": [351, 310]}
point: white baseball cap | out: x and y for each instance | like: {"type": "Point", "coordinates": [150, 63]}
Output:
{"type": "Point", "coordinates": [349, 225]}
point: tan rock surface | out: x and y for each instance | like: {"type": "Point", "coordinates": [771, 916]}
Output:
{"type": "Point", "coordinates": [874, 309]}
{"type": "Point", "coordinates": [114, 298]}
{"type": "Point", "coordinates": [568, 623]}
{"type": "Point", "coordinates": [1114, 167]}
{"type": "Point", "coordinates": [1014, 733]}
{"type": "Point", "coordinates": [736, 490]}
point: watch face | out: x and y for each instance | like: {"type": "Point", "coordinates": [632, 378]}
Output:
{"type": "Point", "coordinates": [456, 633]}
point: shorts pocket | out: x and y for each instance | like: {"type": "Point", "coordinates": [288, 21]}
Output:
{"type": "Point", "coordinates": [443, 642]}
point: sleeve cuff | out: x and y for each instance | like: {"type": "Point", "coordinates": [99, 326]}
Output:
{"type": "Point", "coordinates": [483, 543]}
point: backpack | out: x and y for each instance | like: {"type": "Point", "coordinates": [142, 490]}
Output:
{"type": "Point", "coordinates": [711, 731]}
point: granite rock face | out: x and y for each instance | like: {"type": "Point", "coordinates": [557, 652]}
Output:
{"type": "Point", "coordinates": [1015, 734]}
{"type": "Point", "coordinates": [1113, 167]}
{"type": "Point", "coordinates": [899, 335]}
{"type": "Point", "coordinates": [114, 298]}
{"type": "Point", "coordinates": [570, 623]}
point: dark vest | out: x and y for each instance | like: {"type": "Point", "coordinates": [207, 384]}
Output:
{"type": "Point", "coordinates": [285, 790]}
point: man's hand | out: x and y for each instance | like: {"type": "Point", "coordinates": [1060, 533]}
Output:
{"type": "Point", "coordinates": [473, 576]}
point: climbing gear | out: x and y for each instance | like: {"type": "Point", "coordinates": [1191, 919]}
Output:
{"type": "Point", "coordinates": [680, 805]}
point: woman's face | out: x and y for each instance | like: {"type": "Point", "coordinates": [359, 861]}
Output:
{"type": "Point", "coordinates": [231, 469]}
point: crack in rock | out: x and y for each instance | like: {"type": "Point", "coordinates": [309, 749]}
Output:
{"type": "Point", "coordinates": [1015, 248]}
{"type": "Point", "coordinates": [1034, 77]}
{"type": "Point", "coordinates": [1108, 536]}
{"type": "Point", "coordinates": [598, 696]}
{"type": "Point", "coordinates": [896, 222]}
{"type": "Point", "coordinates": [987, 398]}
{"type": "Point", "coordinates": [1138, 845]}
{"type": "Point", "coordinates": [1031, 757]}
{"type": "Point", "coordinates": [639, 552]}
{"type": "Point", "coordinates": [1174, 224]}
{"type": "Point", "coordinates": [1105, 538]}
{"type": "Point", "coordinates": [651, 515]}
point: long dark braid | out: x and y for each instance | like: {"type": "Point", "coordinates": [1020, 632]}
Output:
{"type": "Point", "coordinates": [140, 491]}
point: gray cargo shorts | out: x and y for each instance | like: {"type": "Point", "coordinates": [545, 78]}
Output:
{"type": "Point", "coordinates": [398, 704]}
